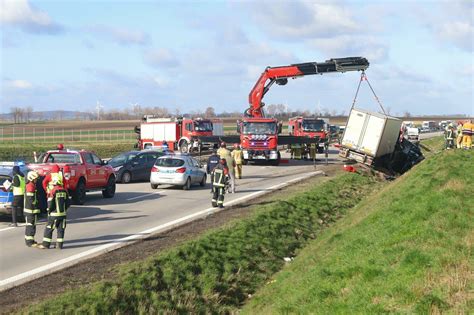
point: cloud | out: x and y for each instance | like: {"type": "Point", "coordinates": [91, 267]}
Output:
{"type": "Point", "coordinates": [161, 58]}
{"type": "Point", "coordinates": [460, 33]}
{"type": "Point", "coordinates": [18, 84]}
{"type": "Point", "coordinates": [19, 13]}
{"type": "Point", "coordinates": [120, 36]}
{"type": "Point", "coordinates": [294, 20]}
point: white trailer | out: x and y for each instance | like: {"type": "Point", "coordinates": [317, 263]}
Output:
{"type": "Point", "coordinates": [369, 135]}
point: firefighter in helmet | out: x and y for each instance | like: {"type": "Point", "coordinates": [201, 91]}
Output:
{"type": "Point", "coordinates": [31, 210]}
{"type": "Point", "coordinates": [220, 178]}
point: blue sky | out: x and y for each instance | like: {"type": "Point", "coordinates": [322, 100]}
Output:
{"type": "Point", "coordinates": [189, 55]}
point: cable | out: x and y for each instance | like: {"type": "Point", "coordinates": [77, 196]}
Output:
{"type": "Point", "coordinates": [363, 77]}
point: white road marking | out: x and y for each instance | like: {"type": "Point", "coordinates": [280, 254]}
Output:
{"type": "Point", "coordinates": [12, 227]}
{"type": "Point", "coordinates": [114, 244]}
{"type": "Point", "coordinates": [143, 196]}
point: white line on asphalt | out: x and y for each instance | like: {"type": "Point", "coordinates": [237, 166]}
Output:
{"type": "Point", "coordinates": [114, 244]}
{"type": "Point", "coordinates": [142, 196]}
{"type": "Point", "coordinates": [12, 227]}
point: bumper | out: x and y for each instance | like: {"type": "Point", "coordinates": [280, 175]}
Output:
{"type": "Point", "coordinates": [260, 154]}
{"type": "Point", "coordinates": [168, 178]}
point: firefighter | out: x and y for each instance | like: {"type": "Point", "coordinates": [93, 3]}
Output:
{"type": "Point", "coordinates": [459, 135]}
{"type": "Point", "coordinates": [31, 210]}
{"type": "Point", "coordinates": [18, 188]}
{"type": "Point", "coordinates": [212, 162]}
{"type": "Point", "coordinates": [238, 156]}
{"type": "Point", "coordinates": [296, 151]}
{"type": "Point", "coordinates": [57, 207]}
{"type": "Point", "coordinates": [223, 150]}
{"type": "Point", "coordinates": [449, 137]}
{"type": "Point", "coordinates": [220, 178]}
{"type": "Point", "coordinates": [467, 130]}
{"type": "Point", "coordinates": [56, 176]}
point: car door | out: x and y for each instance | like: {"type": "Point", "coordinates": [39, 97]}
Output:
{"type": "Point", "coordinates": [91, 170]}
{"type": "Point", "coordinates": [196, 175]}
{"type": "Point", "coordinates": [101, 176]}
{"type": "Point", "coordinates": [139, 167]}
{"type": "Point", "coordinates": [151, 159]}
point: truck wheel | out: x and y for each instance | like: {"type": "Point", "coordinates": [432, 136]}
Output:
{"type": "Point", "coordinates": [183, 146]}
{"type": "Point", "coordinates": [203, 181]}
{"type": "Point", "coordinates": [154, 186]}
{"type": "Point", "coordinates": [79, 196]}
{"type": "Point", "coordinates": [126, 177]}
{"type": "Point", "coordinates": [187, 185]}
{"type": "Point", "coordinates": [109, 191]}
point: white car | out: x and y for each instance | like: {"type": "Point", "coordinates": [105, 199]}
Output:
{"type": "Point", "coordinates": [179, 170]}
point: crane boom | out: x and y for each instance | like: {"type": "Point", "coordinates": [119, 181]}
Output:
{"type": "Point", "coordinates": [280, 75]}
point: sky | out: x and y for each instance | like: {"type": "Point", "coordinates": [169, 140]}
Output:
{"type": "Point", "coordinates": [188, 55]}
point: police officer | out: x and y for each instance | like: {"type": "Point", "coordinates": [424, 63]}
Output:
{"type": "Point", "coordinates": [220, 177]}
{"type": "Point", "coordinates": [57, 207]}
{"type": "Point", "coordinates": [18, 188]}
{"type": "Point", "coordinates": [31, 210]}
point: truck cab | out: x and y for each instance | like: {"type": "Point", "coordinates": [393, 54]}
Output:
{"type": "Point", "coordinates": [309, 127]}
{"type": "Point", "coordinates": [259, 139]}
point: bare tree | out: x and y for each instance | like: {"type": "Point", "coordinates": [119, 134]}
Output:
{"type": "Point", "coordinates": [28, 114]}
{"type": "Point", "coordinates": [210, 112]}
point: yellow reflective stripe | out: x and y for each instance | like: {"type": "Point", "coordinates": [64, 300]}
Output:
{"type": "Point", "coordinates": [60, 240]}
{"type": "Point", "coordinates": [55, 214]}
{"type": "Point", "coordinates": [220, 202]}
{"type": "Point", "coordinates": [31, 211]}
{"type": "Point", "coordinates": [30, 194]}
{"type": "Point", "coordinates": [29, 238]}
{"type": "Point", "coordinates": [45, 239]}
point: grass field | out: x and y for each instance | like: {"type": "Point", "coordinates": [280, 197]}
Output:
{"type": "Point", "coordinates": [216, 272]}
{"type": "Point", "coordinates": [407, 249]}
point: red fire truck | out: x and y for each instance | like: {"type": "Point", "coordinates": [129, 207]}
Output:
{"type": "Point", "coordinates": [181, 134]}
{"type": "Point", "coordinates": [310, 127]}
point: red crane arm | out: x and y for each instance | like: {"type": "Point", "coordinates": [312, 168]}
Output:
{"type": "Point", "coordinates": [280, 75]}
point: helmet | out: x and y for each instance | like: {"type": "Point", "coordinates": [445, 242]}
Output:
{"type": "Point", "coordinates": [32, 176]}
{"type": "Point", "coordinates": [223, 161]}
{"type": "Point", "coordinates": [60, 146]}
{"type": "Point", "coordinates": [55, 168]}
{"type": "Point", "coordinates": [222, 144]}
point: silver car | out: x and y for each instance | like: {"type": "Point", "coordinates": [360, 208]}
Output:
{"type": "Point", "coordinates": [179, 170]}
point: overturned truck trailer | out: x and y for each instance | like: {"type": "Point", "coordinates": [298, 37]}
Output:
{"type": "Point", "coordinates": [374, 140]}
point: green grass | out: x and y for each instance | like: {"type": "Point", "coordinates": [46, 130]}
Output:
{"type": "Point", "coordinates": [216, 272]}
{"type": "Point", "coordinates": [12, 152]}
{"type": "Point", "coordinates": [432, 145]}
{"type": "Point", "coordinates": [407, 249]}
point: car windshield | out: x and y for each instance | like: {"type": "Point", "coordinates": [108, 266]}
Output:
{"type": "Point", "coordinates": [63, 158]}
{"type": "Point", "coordinates": [313, 125]}
{"type": "Point", "coordinates": [122, 159]}
{"type": "Point", "coordinates": [259, 128]}
{"type": "Point", "coordinates": [169, 162]}
{"type": "Point", "coordinates": [202, 126]}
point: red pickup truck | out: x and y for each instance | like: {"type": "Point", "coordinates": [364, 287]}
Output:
{"type": "Point", "coordinates": [87, 172]}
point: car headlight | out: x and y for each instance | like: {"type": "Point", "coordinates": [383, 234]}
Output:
{"type": "Point", "coordinates": [116, 169]}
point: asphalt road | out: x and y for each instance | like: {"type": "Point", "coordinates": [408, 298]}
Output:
{"type": "Point", "coordinates": [135, 212]}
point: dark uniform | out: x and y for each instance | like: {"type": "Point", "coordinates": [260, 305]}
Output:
{"type": "Point", "coordinates": [220, 177]}
{"type": "Point", "coordinates": [31, 212]}
{"type": "Point", "coordinates": [56, 217]}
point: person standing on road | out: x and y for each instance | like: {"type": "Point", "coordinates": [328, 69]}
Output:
{"type": "Point", "coordinates": [18, 188]}
{"type": "Point", "coordinates": [220, 177]}
{"type": "Point", "coordinates": [238, 156]}
{"type": "Point", "coordinates": [212, 162]}
{"type": "Point", "coordinates": [223, 150]}
{"type": "Point", "coordinates": [57, 208]}
{"type": "Point", "coordinates": [31, 210]}
{"type": "Point", "coordinates": [467, 135]}
{"type": "Point", "coordinates": [231, 166]}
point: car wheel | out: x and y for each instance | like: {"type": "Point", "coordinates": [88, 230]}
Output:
{"type": "Point", "coordinates": [154, 186]}
{"type": "Point", "coordinates": [109, 191]}
{"type": "Point", "coordinates": [187, 185]}
{"type": "Point", "coordinates": [203, 181]}
{"type": "Point", "coordinates": [183, 146]}
{"type": "Point", "coordinates": [126, 177]}
{"type": "Point", "coordinates": [80, 193]}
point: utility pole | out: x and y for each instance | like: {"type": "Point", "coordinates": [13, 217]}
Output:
{"type": "Point", "coordinates": [98, 107]}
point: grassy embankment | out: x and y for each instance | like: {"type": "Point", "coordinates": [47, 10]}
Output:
{"type": "Point", "coordinates": [406, 249]}
{"type": "Point", "coordinates": [216, 272]}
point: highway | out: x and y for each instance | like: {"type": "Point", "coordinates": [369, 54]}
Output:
{"type": "Point", "coordinates": [135, 212]}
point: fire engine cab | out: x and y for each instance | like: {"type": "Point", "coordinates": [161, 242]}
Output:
{"type": "Point", "coordinates": [179, 133]}
{"type": "Point", "coordinates": [309, 127]}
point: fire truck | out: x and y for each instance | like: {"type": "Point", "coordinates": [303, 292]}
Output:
{"type": "Point", "coordinates": [310, 127]}
{"type": "Point", "coordinates": [179, 133]}
{"type": "Point", "coordinates": [259, 135]}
